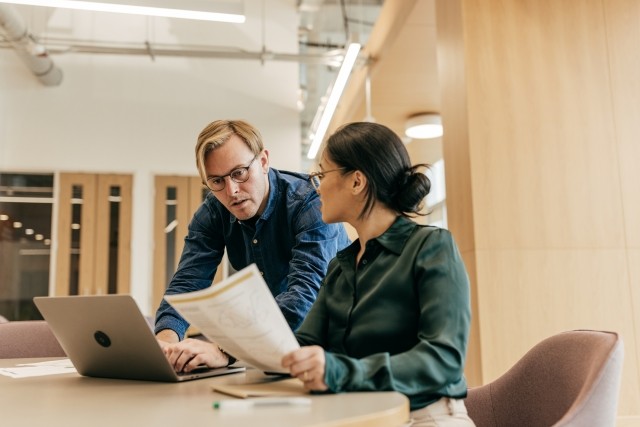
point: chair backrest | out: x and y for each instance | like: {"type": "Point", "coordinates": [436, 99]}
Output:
{"type": "Point", "coordinates": [570, 379]}
{"type": "Point", "coordinates": [28, 338]}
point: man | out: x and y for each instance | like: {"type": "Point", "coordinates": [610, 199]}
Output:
{"type": "Point", "coordinates": [260, 215]}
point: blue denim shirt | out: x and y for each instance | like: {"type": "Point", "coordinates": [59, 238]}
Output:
{"type": "Point", "coordinates": [290, 245]}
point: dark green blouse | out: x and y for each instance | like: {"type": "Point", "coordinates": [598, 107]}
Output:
{"type": "Point", "coordinates": [400, 321]}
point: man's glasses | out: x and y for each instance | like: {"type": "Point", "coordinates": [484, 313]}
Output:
{"type": "Point", "coordinates": [317, 177]}
{"type": "Point", "coordinates": [239, 175]}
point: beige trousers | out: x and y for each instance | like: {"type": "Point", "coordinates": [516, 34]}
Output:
{"type": "Point", "coordinates": [445, 412]}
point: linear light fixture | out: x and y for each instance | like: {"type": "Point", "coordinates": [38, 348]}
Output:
{"type": "Point", "coordinates": [198, 10]}
{"type": "Point", "coordinates": [332, 102]}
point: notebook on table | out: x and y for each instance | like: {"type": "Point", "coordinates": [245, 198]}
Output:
{"type": "Point", "coordinates": [276, 387]}
{"type": "Point", "coordinates": [107, 336]}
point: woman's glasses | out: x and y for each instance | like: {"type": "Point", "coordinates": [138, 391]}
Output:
{"type": "Point", "coordinates": [317, 177]}
{"type": "Point", "coordinates": [239, 175]}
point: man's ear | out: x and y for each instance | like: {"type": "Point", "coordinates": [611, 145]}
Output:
{"type": "Point", "coordinates": [264, 160]}
{"type": "Point", "coordinates": [358, 182]}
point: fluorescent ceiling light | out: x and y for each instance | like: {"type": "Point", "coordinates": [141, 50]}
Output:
{"type": "Point", "coordinates": [198, 10]}
{"type": "Point", "coordinates": [424, 126]}
{"type": "Point", "coordinates": [332, 102]}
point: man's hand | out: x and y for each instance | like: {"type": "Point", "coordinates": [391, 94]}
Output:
{"type": "Point", "coordinates": [308, 365]}
{"type": "Point", "coordinates": [187, 355]}
{"type": "Point", "coordinates": [190, 354]}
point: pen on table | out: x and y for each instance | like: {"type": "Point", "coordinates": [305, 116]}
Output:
{"type": "Point", "coordinates": [261, 401]}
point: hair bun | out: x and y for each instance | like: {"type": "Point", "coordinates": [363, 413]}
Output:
{"type": "Point", "coordinates": [412, 187]}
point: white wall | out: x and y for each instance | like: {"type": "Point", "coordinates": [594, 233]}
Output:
{"type": "Point", "coordinates": [129, 114]}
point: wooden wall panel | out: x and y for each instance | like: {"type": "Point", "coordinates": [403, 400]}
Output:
{"type": "Point", "coordinates": [623, 30]}
{"type": "Point", "coordinates": [543, 100]}
{"type": "Point", "coordinates": [529, 295]}
{"type": "Point", "coordinates": [632, 353]}
{"type": "Point", "coordinates": [453, 83]}
{"type": "Point", "coordinates": [543, 147]}
{"type": "Point", "coordinates": [460, 210]}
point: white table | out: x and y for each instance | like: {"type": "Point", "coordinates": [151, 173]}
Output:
{"type": "Point", "coordinates": [70, 400]}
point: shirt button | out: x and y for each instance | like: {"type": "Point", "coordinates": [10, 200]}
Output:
{"type": "Point", "coordinates": [364, 262]}
{"type": "Point", "coordinates": [262, 272]}
{"type": "Point", "coordinates": [255, 241]}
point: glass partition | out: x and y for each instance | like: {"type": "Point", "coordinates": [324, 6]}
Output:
{"type": "Point", "coordinates": [26, 206]}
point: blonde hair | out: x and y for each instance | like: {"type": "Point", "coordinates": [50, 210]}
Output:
{"type": "Point", "coordinates": [217, 133]}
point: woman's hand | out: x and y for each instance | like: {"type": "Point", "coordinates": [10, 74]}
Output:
{"type": "Point", "coordinates": [307, 364]}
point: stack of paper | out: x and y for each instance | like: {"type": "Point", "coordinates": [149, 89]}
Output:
{"type": "Point", "coordinates": [240, 315]}
{"type": "Point", "coordinates": [48, 367]}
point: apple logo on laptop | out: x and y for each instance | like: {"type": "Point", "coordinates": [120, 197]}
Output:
{"type": "Point", "coordinates": [102, 339]}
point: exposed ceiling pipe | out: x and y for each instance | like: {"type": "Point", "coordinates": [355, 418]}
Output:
{"type": "Point", "coordinates": [33, 54]}
{"type": "Point", "coordinates": [57, 46]}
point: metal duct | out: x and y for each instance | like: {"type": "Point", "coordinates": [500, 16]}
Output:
{"type": "Point", "coordinates": [33, 54]}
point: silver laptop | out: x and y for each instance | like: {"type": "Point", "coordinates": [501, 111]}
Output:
{"type": "Point", "coordinates": [107, 336]}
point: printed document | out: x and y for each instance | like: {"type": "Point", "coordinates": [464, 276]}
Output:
{"type": "Point", "coordinates": [241, 316]}
{"type": "Point", "coordinates": [48, 367]}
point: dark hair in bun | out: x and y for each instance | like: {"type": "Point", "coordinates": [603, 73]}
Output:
{"type": "Point", "coordinates": [380, 155]}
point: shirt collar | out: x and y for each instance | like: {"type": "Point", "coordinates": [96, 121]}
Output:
{"type": "Point", "coordinates": [396, 236]}
{"type": "Point", "coordinates": [393, 239]}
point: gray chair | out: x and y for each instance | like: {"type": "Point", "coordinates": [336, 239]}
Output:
{"type": "Point", "coordinates": [28, 338]}
{"type": "Point", "coordinates": [570, 379]}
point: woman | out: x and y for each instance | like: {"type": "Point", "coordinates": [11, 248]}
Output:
{"type": "Point", "coordinates": [393, 311]}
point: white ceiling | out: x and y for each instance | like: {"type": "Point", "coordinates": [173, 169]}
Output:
{"type": "Point", "coordinates": [403, 75]}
